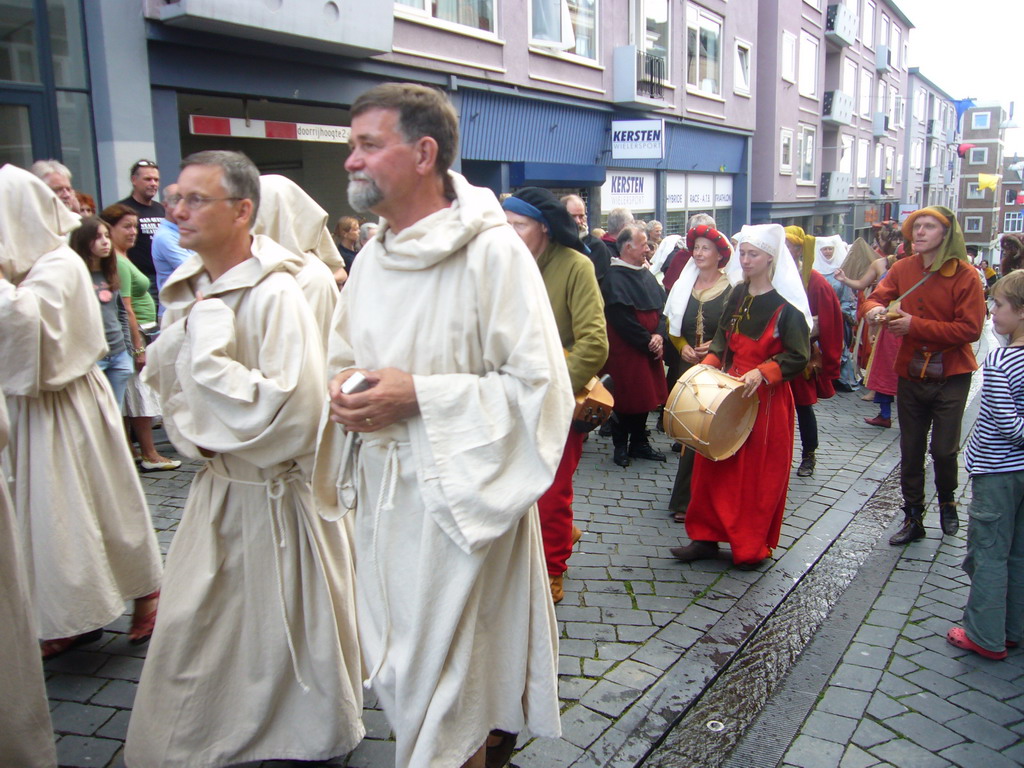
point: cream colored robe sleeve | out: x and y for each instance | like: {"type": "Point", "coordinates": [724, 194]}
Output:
{"type": "Point", "coordinates": [52, 328]}
{"type": "Point", "coordinates": [262, 410]}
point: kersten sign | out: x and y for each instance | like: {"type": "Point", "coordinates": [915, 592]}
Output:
{"type": "Point", "coordinates": [638, 139]}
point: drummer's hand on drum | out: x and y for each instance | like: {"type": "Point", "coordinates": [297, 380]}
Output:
{"type": "Point", "coordinates": [751, 381]}
{"type": "Point", "coordinates": [689, 354]}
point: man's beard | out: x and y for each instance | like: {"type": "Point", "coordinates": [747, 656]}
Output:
{"type": "Point", "coordinates": [363, 192]}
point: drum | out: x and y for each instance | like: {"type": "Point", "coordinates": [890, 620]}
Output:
{"type": "Point", "coordinates": [706, 411]}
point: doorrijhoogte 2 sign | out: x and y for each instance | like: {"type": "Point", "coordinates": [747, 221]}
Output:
{"type": "Point", "coordinates": [638, 139]}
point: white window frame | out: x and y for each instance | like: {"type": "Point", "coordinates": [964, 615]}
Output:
{"type": "Point", "coordinates": [640, 33]}
{"type": "Point", "coordinates": [804, 131]}
{"type": "Point", "coordinates": [845, 160]}
{"type": "Point", "coordinates": [866, 81]}
{"type": "Point", "coordinates": [848, 78]}
{"type": "Point", "coordinates": [698, 20]}
{"type": "Point", "coordinates": [567, 45]}
{"type": "Point", "coordinates": [808, 45]}
{"type": "Point", "coordinates": [981, 158]}
{"type": "Point", "coordinates": [867, 26]}
{"type": "Point", "coordinates": [896, 46]}
{"type": "Point", "coordinates": [1010, 196]}
{"type": "Point", "coordinates": [738, 86]}
{"type": "Point", "coordinates": [787, 62]}
{"type": "Point", "coordinates": [423, 9]}
{"type": "Point", "coordinates": [981, 121]}
{"type": "Point", "coordinates": [973, 192]}
{"type": "Point", "coordinates": [786, 142]}
{"type": "Point", "coordinates": [1013, 221]}
{"type": "Point", "coordinates": [863, 158]}
{"type": "Point", "coordinates": [976, 220]}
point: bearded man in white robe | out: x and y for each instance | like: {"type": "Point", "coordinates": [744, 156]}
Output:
{"type": "Point", "coordinates": [443, 457]}
{"type": "Point", "coordinates": [255, 655]}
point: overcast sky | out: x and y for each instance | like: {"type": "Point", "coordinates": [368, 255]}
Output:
{"type": "Point", "coordinates": [972, 49]}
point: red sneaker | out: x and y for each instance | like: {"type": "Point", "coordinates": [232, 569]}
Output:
{"type": "Point", "coordinates": [958, 637]}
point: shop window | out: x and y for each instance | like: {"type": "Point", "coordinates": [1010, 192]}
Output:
{"type": "Point", "coordinates": [789, 57]}
{"type": "Point", "coordinates": [808, 65]}
{"type": "Point", "coordinates": [805, 155]}
{"type": "Point", "coordinates": [19, 60]}
{"type": "Point", "coordinates": [786, 151]}
{"type": "Point", "coordinates": [978, 156]}
{"type": "Point", "coordinates": [972, 224]}
{"type": "Point", "coordinates": [477, 14]}
{"type": "Point", "coordinates": [704, 51]}
{"type": "Point", "coordinates": [565, 25]}
{"type": "Point", "coordinates": [981, 121]}
{"type": "Point", "coordinates": [1014, 221]}
{"type": "Point", "coordinates": [741, 68]}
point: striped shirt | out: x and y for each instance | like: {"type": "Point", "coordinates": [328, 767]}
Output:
{"type": "Point", "coordinates": [997, 442]}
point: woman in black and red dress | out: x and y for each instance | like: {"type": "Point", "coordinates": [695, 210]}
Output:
{"type": "Point", "coordinates": [763, 340]}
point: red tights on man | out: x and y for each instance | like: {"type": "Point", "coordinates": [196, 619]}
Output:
{"type": "Point", "coordinates": [555, 508]}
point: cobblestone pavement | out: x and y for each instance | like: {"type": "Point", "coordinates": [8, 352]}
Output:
{"type": "Point", "coordinates": [643, 636]}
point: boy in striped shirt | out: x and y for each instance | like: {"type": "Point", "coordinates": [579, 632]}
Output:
{"type": "Point", "coordinates": [994, 615]}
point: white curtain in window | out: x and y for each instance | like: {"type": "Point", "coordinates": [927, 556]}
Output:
{"type": "Point", "coordinates": [552, 24]}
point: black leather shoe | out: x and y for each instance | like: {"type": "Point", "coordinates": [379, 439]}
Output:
{"type": "Point", "coordinates": [949, 520]}
{"type": "Point", "coordinates": [645, 451]}
{"type": "Point", "coordinates": [621, 456]}
{"type": "Point", "coordinates": [913, 527]}
{"type": "Point", "coordinates": [696, 550]}
{"type": "Point", "coordinates": [806, 468]}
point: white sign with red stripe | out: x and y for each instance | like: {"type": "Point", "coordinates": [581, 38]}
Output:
{"type": "Point", "coordinates": [206, 125]}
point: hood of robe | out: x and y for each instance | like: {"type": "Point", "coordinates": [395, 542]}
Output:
{"type": "Point", "coordinates": [191, 277]}
{"type": "Point", "coordinates": [33, 221]}
{"type": "Point", "coordinates": [952, 246]}
{"type": "Point", "coordinates": [434, 238]}
{"type": "Point", "coordinates": [295, 220]}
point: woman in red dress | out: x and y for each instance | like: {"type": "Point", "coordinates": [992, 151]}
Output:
{"type": "Point", "coordinates": [763, 340]}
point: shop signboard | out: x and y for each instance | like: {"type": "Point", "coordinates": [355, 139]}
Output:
{"type": "Point", "coordinates": [207, 125]}
{"type": "Point", "coordinates": [638, 139]}
{"type": "Point", "coordinates": [628, 189]}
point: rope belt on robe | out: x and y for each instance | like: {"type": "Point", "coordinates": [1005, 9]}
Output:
{"type": "Point", "coordinates": [276, 487]}
{"type": "Point", "coordinates": [347, 495]}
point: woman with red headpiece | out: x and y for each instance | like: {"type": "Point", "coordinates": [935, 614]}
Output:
{"type": "Point", "coordinates": [693, 309]}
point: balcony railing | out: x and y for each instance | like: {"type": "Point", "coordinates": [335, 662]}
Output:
{"type": "Point", "coordinates": [841, 25]}
{"type": "Point", "coordinates": [883, 58]}
{"type": "Point", "coordinates": [305, 24]}
{"type": "Point", "coordinates": [637, 78]}
{"type": "Point", "coordinates": [835, 185]}
{"type": "Point", "coordinates": [880, 124]}
{"type": "Point", "coordinates": [837, 108]}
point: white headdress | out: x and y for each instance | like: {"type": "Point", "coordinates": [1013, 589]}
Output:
{"type": "Point", "coordinates": [825, 265]}
{"type": "Point", "coordinates": [771, 238]}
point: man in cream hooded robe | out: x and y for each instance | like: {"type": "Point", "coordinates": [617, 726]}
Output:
{"type": "Point", "coordinates": [441, 461]}
{"type": "Point", "coordinates": [295, 221]}
{"type": "Point", "coordinates": [85, 529]}
{"type": "Point", "coordinates": [254, 656]}
{"type": "Point", "coordinates": [26, 734]}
